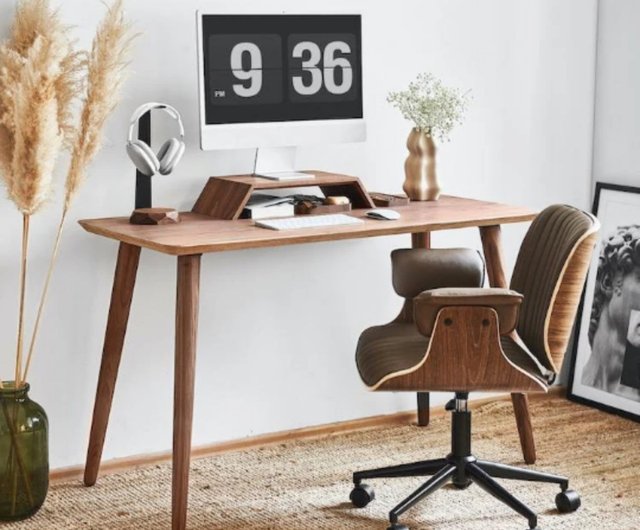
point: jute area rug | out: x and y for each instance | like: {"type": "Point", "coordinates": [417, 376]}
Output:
{"type": "Point", "coordinates": [305, 485]}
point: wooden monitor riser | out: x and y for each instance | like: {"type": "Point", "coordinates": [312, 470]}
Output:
{"type": "Point", "coordinates": [225, 197]}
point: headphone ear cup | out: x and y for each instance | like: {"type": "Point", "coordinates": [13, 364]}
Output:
{"type": "Point", "coordinates": [170, 154]}
{"type": "Point", "coordinates": [143, 157]}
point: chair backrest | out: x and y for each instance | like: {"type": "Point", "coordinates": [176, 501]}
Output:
{"type": "Point", "coordinates": [418, 269]}
{"type": "Point", "coordinates": [550, 272]}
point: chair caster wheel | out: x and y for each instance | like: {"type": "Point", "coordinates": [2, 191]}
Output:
{"type": "Point", "coordinates": [398, 526]}
{"type": "Point", "coordinates": [361, 495]}
{"type": "Point", "coordinates": [568, 501]}
{"type": "Point", "coordinates": [461, 486]}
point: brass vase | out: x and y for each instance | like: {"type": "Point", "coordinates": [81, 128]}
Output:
{"type": "Point", "coordinates": [421, 179]}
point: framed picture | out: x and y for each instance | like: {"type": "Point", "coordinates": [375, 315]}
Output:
{"type": "Point", "coordinates": [605, 369]}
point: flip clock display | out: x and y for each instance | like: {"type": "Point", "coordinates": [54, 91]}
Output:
{"type": "Point", "coordinates": [282, 67]}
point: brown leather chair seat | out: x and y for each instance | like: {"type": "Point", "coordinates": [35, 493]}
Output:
{"type": "Point", "coordinates": [383, 350]}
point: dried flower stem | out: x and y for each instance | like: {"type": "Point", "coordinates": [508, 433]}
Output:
{"type": "Point", "coordinates": [45, 290]}
{"type": "Point", "coordinates": [23, 288]}
{"type": "Point", "coordinates": [40, 77]}
{"type": "Point", "coordinates": [105, 66]}
{"type": "Point", "coordinates": [37, 72]}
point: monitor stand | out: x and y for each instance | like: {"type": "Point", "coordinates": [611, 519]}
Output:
{"type": "Point", "coordinates": [277, 163]}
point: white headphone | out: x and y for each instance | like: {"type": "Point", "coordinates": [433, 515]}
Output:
{"type": "Point", "coordinates": [169, 154]}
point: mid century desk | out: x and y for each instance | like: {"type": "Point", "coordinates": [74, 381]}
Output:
{"type": "Point", "coordinates": [198, 234]}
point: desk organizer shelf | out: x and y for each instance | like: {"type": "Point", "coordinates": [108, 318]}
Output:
{"type": "Point", "coordinates": [225, 197]}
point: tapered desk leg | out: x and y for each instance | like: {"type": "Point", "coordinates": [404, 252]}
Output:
{"type": "Point", "coordinates": [121, 294]}
{"type": "Point", "coordinates": [187, 300]}
{"type": "Point", "coordinates": [492, 246]}
{"type": "Point", "coordinates": [525, 428]}
{"type": "Point", "coordinates": [423, 409]}
{"type": "Point", "coordinates": [422, 240]}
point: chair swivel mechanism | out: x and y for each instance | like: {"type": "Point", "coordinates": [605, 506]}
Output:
{"type": "Point", "coordinates": [455, 336]}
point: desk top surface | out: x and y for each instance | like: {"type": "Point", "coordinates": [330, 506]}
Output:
{"type": "Point", "coordinates": [198, 234]}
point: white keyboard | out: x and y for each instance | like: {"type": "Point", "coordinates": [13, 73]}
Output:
{"type": "Point", "coordinates": [309, 221]}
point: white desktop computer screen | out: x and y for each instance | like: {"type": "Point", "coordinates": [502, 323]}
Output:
{"type": "Point", "coordinates": [271, 80]}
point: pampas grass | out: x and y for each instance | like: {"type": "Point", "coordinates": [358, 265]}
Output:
{"type": "Point", "coordinates": [34, 19]}
{"type": "Point", "coordinates": [32, 72]}
{"type": "Point", "coordinates": [105, 64]}
{"type": "Point", "coordinates": [37, 137]}
{"type": "Point", "coordinates": [106, 73]}
{"type": "Point", "coordinates": [41, 76]}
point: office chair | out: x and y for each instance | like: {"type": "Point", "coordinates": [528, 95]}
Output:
{"type": "Point", "coordinates": [464, 338]}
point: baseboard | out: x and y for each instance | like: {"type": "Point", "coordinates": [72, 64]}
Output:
{"type": "Point", "coordinates": [331, 429]}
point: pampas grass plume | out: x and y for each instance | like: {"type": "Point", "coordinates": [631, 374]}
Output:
{"type": "Point", "coordinates": [38, 77]}
{"type": "Point", "coordinates": [106, 65]}
{"type": "Point", "coordinates": [42, 76]}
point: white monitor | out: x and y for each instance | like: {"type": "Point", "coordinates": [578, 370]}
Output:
{"type": "Point", "coordinates": [272, 80]}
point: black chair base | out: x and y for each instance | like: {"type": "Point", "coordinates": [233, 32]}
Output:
{"type": "Point", "coordinates": [462, 469]}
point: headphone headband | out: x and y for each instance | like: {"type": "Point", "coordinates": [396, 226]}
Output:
{"type": "Point", "coordinates": [146, 107]}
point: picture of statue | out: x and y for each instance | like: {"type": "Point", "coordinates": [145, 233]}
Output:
{"type": "Point", "coordinates": [614, 327]}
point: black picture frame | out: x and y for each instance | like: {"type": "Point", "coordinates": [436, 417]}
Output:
{"type": "Point", "coordinates": [571, 394]}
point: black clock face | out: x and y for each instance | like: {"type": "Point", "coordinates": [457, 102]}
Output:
{"type": "Point", "coordinates": [266, 68]}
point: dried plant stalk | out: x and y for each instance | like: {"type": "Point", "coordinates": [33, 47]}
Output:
{"type": "Point", "coordinates": [45, 292]}
{"type": "Point", "coordinates": [69, 84]}
{"type": "Point", "coordinates": [36, 18]}
{"type": "Point", "coordinates": [40, 77]}
{"type": "Point", "coordinates": [32, 19]}
{"type": "Point", "coordinates": [105, 65]}
{"type": "Point", "coordinates": [37, 66]}
{"type": "Point", "coordinates": [37, 136]}
{"type": "Point", "coordinates": [38, 81]}
{"type": "Point", "coordinates": [23, 291]}
{"type": "Point", "coordinates": [106, 73]}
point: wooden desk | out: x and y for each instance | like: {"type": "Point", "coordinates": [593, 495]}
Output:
{"type": "Point", "coordinates": [198, 234]}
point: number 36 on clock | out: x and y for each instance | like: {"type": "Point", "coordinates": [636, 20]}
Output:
{"type": "Point", "coordinates": [247, 69]}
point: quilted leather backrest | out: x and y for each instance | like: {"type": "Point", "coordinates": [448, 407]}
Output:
{"type": "Point", "coordinates": [550, 272]}
{"type": "Point", "coordinates": [418, 269]}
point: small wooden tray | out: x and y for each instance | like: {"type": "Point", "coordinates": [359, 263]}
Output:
{"type": "Point", "coordinates": [305, 208]}
{"type": "Point", "coordinates": [388, 199]}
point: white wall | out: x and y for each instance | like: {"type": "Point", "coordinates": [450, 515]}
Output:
{"type": "Point", "coordinates": [279, 326]}
{"type": "Point", "coordinates": [616, 149]}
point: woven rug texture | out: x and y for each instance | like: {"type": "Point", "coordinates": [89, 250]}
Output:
{"type": "Point", "coordinates": [305, 485]}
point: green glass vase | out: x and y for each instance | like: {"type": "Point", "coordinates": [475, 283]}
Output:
{"type": "Point", "coordinates": [24, 453]}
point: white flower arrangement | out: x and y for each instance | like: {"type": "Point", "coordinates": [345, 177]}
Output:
{"type": "Point", "coordinates": [433, 108]}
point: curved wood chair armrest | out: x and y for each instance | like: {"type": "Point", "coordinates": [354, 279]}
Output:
{"type": "Point", "coordinates": [505, 302]}
{"type": "Point", "coordinates": [464, 354]}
